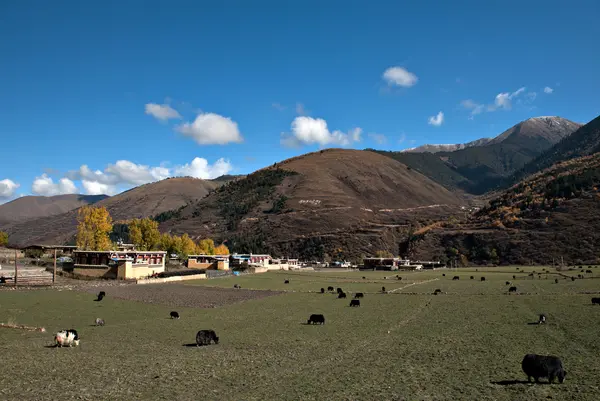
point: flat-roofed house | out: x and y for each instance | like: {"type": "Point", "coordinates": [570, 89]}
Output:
{"type": "Point", "coordinates": [210, 262]}
{"type": "Point", "coordinates": [117, 264]}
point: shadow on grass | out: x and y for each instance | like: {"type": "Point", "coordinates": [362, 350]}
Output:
{"type": "Point", "coordinates": [51, 346]}
{"type": "Point", "coordinates": [514, 382]}
{"type": "Point", "coordinates": [194, 345]}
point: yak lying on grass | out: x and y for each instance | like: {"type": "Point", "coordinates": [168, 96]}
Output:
{"type": "Point", "coordinates": [543, 366]}
{"type": "Point", "coordinates": [67, 338]}
{"type": "Point", "coordinates": [359, 295]}
{"type": "Point", "coordinates": [512, 289]}
{"type": "Point", "coordinates": [316, 319]}
{"type": "Point", "coordinates": [355, 302]}
{"type": "Point", "coordinates": [204, 337]}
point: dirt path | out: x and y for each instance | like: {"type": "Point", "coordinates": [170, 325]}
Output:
{"type": "Point", "coordinates": [410, 285]}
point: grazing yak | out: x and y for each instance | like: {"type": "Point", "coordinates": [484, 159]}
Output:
{"type": "Point", "coordinates": [67, 338]}
{"type": "Point", "coordinates": [589, 271]}
{"type": "Point", "coordinates": [455, 278]}
{"type": "Point", "coordinates": [514, 277]}
{"type": "Point", "coordinates": [443, 274]}
{"type": "Point", "coordinates": [99, 322]}
{"type": "Point", "coordinates": [355, 302]}
{"type": "Point", "coordinates": [383, 289]}
{"type": "Point", "coordinates": [555, 281]}
{"type": "Point", "coordinates": [508, 283]}
{"type": "Point", "coordinates": [595, 301]}
{"type": "Point", "coordinates": [542, 319]}
{"type": "Point", "coordinates": [339, 290]}
{"type": "Point", "coordinates": [364, 278]}
{"type": "Point", "coordinates": [437, 291]}
{"type": "Point", "coordinates": [359, 295]}
{"type": "Point", "coordinates": [483, 279]}
{"type": "Point", "coordinates": [512, 289]}
{"type": "Point", "coordinates": [286, 282]}
{"type": "Point", "coordinates": [174, 315]}
{"type": "Point", "coordinates": [316, 319]}
{"type": "Point", "coordinates": [322, 290]}
{"type": "Point", "coordinates": [204, 337]}
{"type": "Point", "coordinates": [330, 288]}
{"type": "Point", "coordinates": [472, 277]}
{"type": "Point", "coordinates": [543, 366]}
{"type": "Point", "coordinates": [341, 295]}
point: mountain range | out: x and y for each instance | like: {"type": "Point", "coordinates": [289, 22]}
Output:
{"type": "Point", "coordinates": [351, 203]}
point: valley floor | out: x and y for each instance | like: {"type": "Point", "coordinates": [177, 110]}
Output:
{"type": "Point", "coordinates": [465, 344]}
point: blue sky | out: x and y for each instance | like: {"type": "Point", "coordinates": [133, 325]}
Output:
{"type": "Point", "coordinates": [137, 91]}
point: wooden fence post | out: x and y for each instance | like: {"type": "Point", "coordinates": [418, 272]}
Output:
{"type": "Point", "coordinates": [54, 271]}
{"type": "Point", "coordinates": [16, 268]}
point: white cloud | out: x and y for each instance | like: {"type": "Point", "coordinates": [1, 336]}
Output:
{"type": "Point", "coordinates": [162, 112]}
{"type": "Point", "coordinates": [475, 107]}
{"type": "Point", "coordinates": [378, 138]}
{"type": "Point", "coordinates": [301, 110]}
{"type": "Point", "coordinates": [278, 106]}
{"type": "Point", "coordinates": [126, 174]}
{"type": "Point", "coordinates": [398, 76]}
{"type": "Point", "coordinates": [200, 168]}
{"type": "Point", "coordinates": [308, 131]}
{"type": "Point", "coordinates": [436, 120]}
{"type": "Point", "coordinates": [502, 101]}
{"type": "Point", "coordinates": [97, 188]}
{"type": "Point", "coordinates": [548, 90]}
{"type": "Point", "coordinates": [45, 186]}
{"type": "Point", "coordinates": [8, 188]}
{"type": "Point", "coordinates": [211, 129]}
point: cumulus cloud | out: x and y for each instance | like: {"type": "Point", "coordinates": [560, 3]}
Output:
{"type": "Point", "coordinates": [200, 168]}
{"type": "Point", "coordinates": [211, 129]}
{"type": "Point", "coordinates": [162, 112]}
{"type": "Point", "coordinates": [310, 131]}
{"type": "Point", "coordinates": [398, 76]}
{"type": "Point", "coordinates": [8, 188]}
{"type": "Point", "coordinates": [126, 174]}
{"type": "Point", "coordinates": [436, 120]}
{"type": "Point", "coordinates": [378, 138]}
{"type": "Point", "coordinates": [45, 186]}
{"type": "Point", "coordinates": [548, 90]}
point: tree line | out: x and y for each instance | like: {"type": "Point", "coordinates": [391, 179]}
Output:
{"type": "Point", "coordinates": [95, 225]}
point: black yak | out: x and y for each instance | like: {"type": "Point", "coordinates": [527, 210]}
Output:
{"type": "Point", "coordinates": [543, 366]}
{"type": "Point", "coordinates": [383, 289]}
{"type": "Point", "coordinates": [572, 278]}
{"type": "Point", "coordinates": [555, 281]}
{"type": "Point", "coordinates": [542, 319]}
{"type": "Point", "coordinates": [316, 319]}
{"type": "Point", "coordinates": [588, 271]}
{"type": "Point", "coordinates": [595, 301]}
{"type": "Point", "coordinates": [514, 277]}
{"type": "Point", "coordinates": [174, 315]}
{"type": "Point", "coordinates": [455, 278]}
{"type": "Point", "coordinates": [359, 295]}
{"type": "Point", "coordinates": [472, 278]}
{"type": "Point", "coordinates": [508, 283]}
{"type": "Point", "coordinates": [355, 302]}
{"type": "Point", "coordinates": [483, 279]}
{"type": "Point", "coordinates": [364, 278]}
{"type": "Point", "coordinates": [339, 290]}
{"type": "Point", "coordinates": [512, 289]}
{"type": "Point", "coordinates": [322, 290]}
{"type": "Point", "coordinates": [342, 295]}
{"type": "Point", "coordinates": [101, 296]}
{"type": "Point", "coordinates": [204, 337]}
{"type": "Point", "coordinates": [330, 288]}
{"type": "Point", "coordinates": [443, 274]}
{"type": "Point", "coordinates": [399, 278]}
{"type": "Point", "coordinates": [286, 282]}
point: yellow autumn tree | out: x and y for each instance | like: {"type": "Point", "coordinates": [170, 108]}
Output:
{"type": "Point", "coordinates": [188, 247]}
{"type": "Point", "coordinates": [3, 238]}
{"type": "Point", "coordinates": [144, 234]}
{"type": "Point", "coordinates": [93, 229]}
{"type": "Point", "coordinates": [222, 250]}
{"type": "Point", "coordinates": [206, 247]}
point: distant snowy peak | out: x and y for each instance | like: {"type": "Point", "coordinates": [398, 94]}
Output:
{"type": "Point", "coordinates": [447, 147]}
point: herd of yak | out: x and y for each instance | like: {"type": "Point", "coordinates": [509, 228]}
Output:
{"type": "Point", "coordinates": [535, 366]}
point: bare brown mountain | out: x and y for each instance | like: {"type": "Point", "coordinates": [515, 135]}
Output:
{"type": "Point", "coordinates": [32, 207]}
{"type": "Point", "coordinates": [551, 215]}
{"type": "Point", "coordinates": [486, 164]}
{"type": "Point", "coordinates": [333, 201]}
{"type": "Point", "coordinates": [143, 201]}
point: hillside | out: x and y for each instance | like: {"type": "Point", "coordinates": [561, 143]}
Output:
{"type": "Point", "coordinates": [143, 201]}
{"type": "Point", "coordinates": [585, 141]}
{"type": "Point", "coordinates": [32, 207]}
{"type": "Point", "coordinates": [551, 215]}
{"type": "Point", "coordinates": [350, 201]}
{"type": "Point", "coordinates": [480, 168]}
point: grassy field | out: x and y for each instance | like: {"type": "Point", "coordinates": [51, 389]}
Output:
{"type": "Point", "coordinates": [466, 344]}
